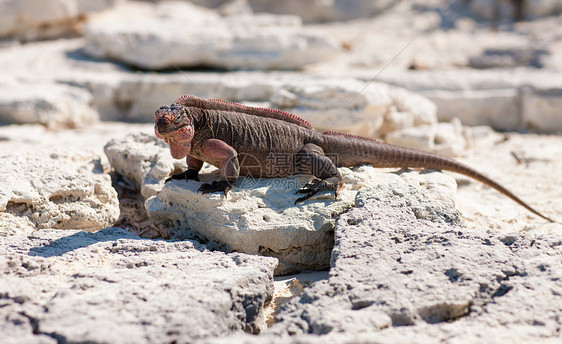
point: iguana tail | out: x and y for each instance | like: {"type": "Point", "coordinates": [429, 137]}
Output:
{"type": "Point", "coordinates": [352, 150]}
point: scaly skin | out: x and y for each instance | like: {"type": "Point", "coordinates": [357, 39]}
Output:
{"type": "Point", "coordinates": [247, 141]}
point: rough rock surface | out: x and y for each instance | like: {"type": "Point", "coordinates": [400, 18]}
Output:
{"type": "Point", "coordinates": [260, 214]}
{"type": "Point", "coordinates": [64, 190]}
{"type": "Point", "coordinates": [144, 160]}
{"type": "Point", "coordinates": [406, 270]}
{"type": "Point", "coordinates": [112, 286]}
{"type": "Point", "coordinates": [406, 262]}
{"type": "Point", "coordinates": [262, 218]}
{"type": "Point", "coordinates": [182, 35]}
{"type": "Point", "coordinates": [28, 20]}
{"type": "Point", "coordinates": [506, 284]}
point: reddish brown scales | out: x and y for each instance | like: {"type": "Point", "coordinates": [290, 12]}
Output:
{"type": "Point", "coordinates": [224, 105]}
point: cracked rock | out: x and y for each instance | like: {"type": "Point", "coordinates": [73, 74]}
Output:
{"type": "Point", "coordinates": [63, 190]}
{"type": "Point", "coordinates": [410, 262]}
{"type": "Point", "coordinates": [66, 286]}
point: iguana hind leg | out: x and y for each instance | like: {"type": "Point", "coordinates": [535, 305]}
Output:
{"type": "Point", "coordinates": [311, 160]}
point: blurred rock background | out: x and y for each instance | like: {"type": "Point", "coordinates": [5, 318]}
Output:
{"type": "Point", "coordinates": [493, 63]}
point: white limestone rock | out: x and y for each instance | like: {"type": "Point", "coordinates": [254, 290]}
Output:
{"type": "Point", "coordinates": [314, 10]}
{"type": "Point", "coordinates": [114, 287]}
{"type": "Point", "coordinates": [408, 110]}
{"type": "Point", "coordinates": [54, 105]}
{"type": "Point", "coordinates": [541, 109]}
{"type": "Point", "coordinates": [144, 160]}
{"type": "Point", "coordinates": [259, 216]}
{"type": "Point", "coordinates": [498, 108]}
{"type": "Point", "coordinates": [348, 105]}
{"type": "Point", "coordinates": [519, 99]}
{"type": "Point", "coordinates": [450, 139]}
{"type": "Point", "coordinates": [28, 20]}
{"type": "Point", "coordinates": [341, 104]}
{"type": "Point", "coordinates": [336, 104]}
{"type": "Point", "coordinates": [55, 189]}
{"type": "Point", "coordinates": [183, 35]}
{"type": "Point", "coordinates": [146, 94]}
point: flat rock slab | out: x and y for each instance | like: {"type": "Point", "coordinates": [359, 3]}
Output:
{"type": "Point", "coordinates": [57, 106]}
{"type": "Point", "coordinates": [518, 99]}
{"type": "Point", "coordinates": [320, 11]}
{"type": "Point", "coordinates": [55, 189]}
{"type": "Point", "coordinates": [114, 287]}
{"type": "Point", "coordinates": [173, 35]}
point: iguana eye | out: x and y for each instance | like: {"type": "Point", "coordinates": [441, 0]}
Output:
{"type": "Point", "coordinates": [178, 118]}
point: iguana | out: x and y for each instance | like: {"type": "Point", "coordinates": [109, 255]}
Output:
{"type": "Point", "coordinates": [280, 144]}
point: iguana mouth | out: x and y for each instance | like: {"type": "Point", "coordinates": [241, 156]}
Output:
{"type": "Point", "coordinates": [167, 128]}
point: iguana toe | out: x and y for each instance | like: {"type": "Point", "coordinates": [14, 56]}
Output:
{"type": "Point", "coordinates": [217, 186]}
{"type": "Point", "coordinates": [318, 185]}
{"type": "Point", "coordinates": [187, 175]}
{"type": "Point", "coordinates": [311, 189]}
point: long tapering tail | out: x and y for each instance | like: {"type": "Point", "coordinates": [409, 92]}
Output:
{"type": "Point", "coordinates": [354, 150]}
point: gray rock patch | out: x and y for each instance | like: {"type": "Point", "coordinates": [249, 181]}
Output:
{"type": "Point", "coordinates": [398, 263]}
{"type": "Point", "coordinates": [112, 286]}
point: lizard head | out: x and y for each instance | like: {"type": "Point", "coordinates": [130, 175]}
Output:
{"type": "Point", "coordinates": [173, 125]}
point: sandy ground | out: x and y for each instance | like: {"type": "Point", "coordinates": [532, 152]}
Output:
{"type": "Point", "coordinates": [528, 164]}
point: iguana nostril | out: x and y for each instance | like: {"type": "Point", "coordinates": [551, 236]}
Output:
{"type": "Point", "coordinates": [162, 122]}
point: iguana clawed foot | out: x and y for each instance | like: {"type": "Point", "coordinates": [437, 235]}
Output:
{"type": "Point", "coordinates": [216, 186]}
{"type": "Point", "coordinates": [187, 175]}
{"type": "Point", "coordinates": [318, 185]}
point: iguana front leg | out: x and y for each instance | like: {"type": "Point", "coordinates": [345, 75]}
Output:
{"type": "Point", "coordinates": [214, 150]}
{"type": "Point", "coordinates": [192, 173]}
{"type": "Point", "coordinates": [311, 160]}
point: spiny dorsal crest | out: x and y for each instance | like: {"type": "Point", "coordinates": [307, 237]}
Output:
{"type": "Point", "coordinates": [219, 104]}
